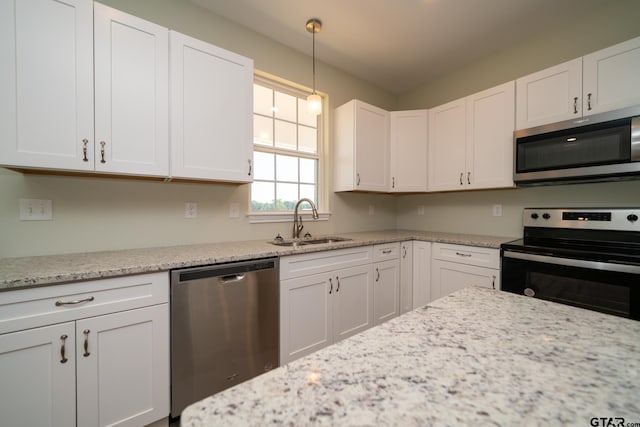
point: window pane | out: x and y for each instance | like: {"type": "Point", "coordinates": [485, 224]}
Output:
{"type": "Point", "coordinates": [285, 135]}
{"type": "Point", "coordinates": [262, 100]}
{"type": "Point", "coordinates": [286, 196]}
{"type": "Point", "coordinates": [308, 171]}
{"type": "Point", "coordinates": [308, 139]}
{"type": "Point", "coordinates": [285, 106]}
{"type": "Point", "coordinates": [304, 116]}
{"type": "Point", "coordinates": [264, 166]}
{"type": "Point", "coordinates": [262, 130]}
{"type": "Point", "coordinates": [308, 191]}
{"type": "Point", "coordinates": [287, 168]}
{"type": "Point", "coordinates": [262, 196]}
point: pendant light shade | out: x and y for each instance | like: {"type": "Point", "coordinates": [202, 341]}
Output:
{"type": "Point", "coordinates": [314, 101]}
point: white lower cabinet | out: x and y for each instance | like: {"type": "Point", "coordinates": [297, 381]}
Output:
{"type": "Point", "coordinates": [454, 267]}
{"type": "Point", "coordinates": [406, 276]}
{"type": "Point", "coordinates": [386, 282]}
{"type": "Point", "coordinates": [319, 309]}
{"type": "Point", "coordinates": [109, 369]}
{"type": "Point", "coordinates": [421, 287]}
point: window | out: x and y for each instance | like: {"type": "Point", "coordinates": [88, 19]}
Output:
{"type": "Point", "coordinates": [286, 149]}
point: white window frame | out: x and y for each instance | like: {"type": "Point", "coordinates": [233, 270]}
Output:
{"type": "Point", "coordinates": [290, 88]}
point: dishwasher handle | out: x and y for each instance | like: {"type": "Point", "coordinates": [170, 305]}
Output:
{"type": "Point", "coordinates": [231, 271]}
{"type": "Point", "coordinates": [232, 278]}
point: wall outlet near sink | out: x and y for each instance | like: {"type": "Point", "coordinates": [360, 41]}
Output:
{"type": "Point", "coordinates": [497, 210]}
{"type": "Point", "coordinates": [190, 210]}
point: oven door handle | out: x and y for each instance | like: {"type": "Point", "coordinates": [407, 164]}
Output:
{"type": "Point", "coordinates": [570, 262]}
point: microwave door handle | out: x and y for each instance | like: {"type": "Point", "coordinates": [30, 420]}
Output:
{"type": "Point", "coordinates": [569, 262]}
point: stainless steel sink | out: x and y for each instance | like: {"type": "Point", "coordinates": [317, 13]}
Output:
{"type": "Point", "coordinates": [309, 241]}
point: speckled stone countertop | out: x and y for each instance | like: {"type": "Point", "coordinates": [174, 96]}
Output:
{"type": "Point", "coordinates": [476, 357]}
{"type": "Point", "coordinates": [53, 269]}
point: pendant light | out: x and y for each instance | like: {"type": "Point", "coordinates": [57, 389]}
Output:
{"type": "Point", "coordinates": [314, 102]}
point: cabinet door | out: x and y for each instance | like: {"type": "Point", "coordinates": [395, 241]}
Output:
{"type": "Point", "coordinates": [448, 277]}
{"type": "Point", "coordinates": [131, 94]}
{"type": "Point", "coordinates": [551, 95]}
{"type": "Point", "coordinates": [46, 84]}
{"type": "Point", "coordinates": [421, 274]}
{"type": "Point", "coordinates": [38, 386]}
{"type": "Point", "coordinates": [406, 277]}
{"type": "Point", "coordinates": [611, 78]}
{"type": "Point", "coordinates": [306, 322]}
{"type": "Point", "coordinates": [447, 146]}
{"type": "Point", "coordinates": [123, 367]}
{"type": "Point", "coordinates": [352, 301]}
{"type": "Point", "coordinates": [211, 111]}
{"type": "Point", "coordinates": [408, 142]}
{"type": "Point", "coordinates": [490, 124]}
{"type": "Point", "coordinates": [371, 148]}
{"type": "Point", "coordinates": [386, 290]}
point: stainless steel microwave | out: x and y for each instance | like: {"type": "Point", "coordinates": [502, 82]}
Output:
{"type": "Point", "coordinates": [594, 148]}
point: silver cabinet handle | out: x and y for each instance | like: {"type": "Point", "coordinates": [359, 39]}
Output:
{"type": "Point", "coordinates": [393, 182]}
{"type": "Point", "coordinates": [331, 283]}
{"type": "Point", "coordinates": [469, 178]}
{"type": "Point", "coordinates": [86, 342]}
{"type": "Point", "coordinates": [102, 144]}
{"type": "Point", "coordinates": [357, 179]}
{"type": "Point", "coordinates": [63, 338]}
{"type": "Point", "coordinates": [250, 167]}
{"type": "Point", "coordinates": [386, 251]}
{"type": "Point", "coordinates": [461, 254]}
{"type": "Point", "coordinates": [575, 105]}
{"type": "Point", "coordinates": [338, 280]}
{"type": "Point", "coordinates": [589, 101]}
{"type": "Point", "coordinates": [78, 301]}
{"type": "Point", "coordinates": [461, 175]}
{"type": "Point", "coordinates": [493, 282]}
{"type": "Point", "coordinates": [84, 150]}
{"type": "Point", "coordinates": [377, 274]}
{"type": "Point", "coordinates": [404, 251]}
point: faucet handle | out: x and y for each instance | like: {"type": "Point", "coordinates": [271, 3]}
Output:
{"type": "Point", "coordinates": [278, 238]}
{"type": "Point", "coordinates": [307, 235]}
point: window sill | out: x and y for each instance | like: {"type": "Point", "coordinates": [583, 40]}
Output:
{"type": "Point", "coordinates": [267, 217]}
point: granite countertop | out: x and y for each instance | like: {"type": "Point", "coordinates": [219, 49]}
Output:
{"type": "Point", "coordinates": [23, 272]}
{"type": "Point", "coordinates": [476, 357]}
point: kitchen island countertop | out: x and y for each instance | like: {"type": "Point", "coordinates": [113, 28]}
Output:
{"type": "Point", "coordinates": [23, 272]}
{"type": "Point", "coordinates": [475, 357]}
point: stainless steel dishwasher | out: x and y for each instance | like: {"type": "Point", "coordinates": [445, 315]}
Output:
{"type": "Point", "coordinates": [224, 327]}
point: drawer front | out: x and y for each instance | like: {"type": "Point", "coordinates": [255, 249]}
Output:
{"type": "Point", "coordinates": [386, 251]}
{"type": "Point", "coordinates": [320, 262]}
{"type": "Point", "coordinates": [29, 308]}
{"type": "Point", "coordinates": [471, 255]}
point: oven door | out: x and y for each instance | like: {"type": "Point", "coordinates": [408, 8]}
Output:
{"type": "Point", "coordinates": [606, 287]}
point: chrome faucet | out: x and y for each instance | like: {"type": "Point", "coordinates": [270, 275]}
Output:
{"type": "Point", "coordinates": [297, 220]}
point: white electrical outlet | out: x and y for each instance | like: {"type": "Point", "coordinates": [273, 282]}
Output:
{"type": "Point", "coordinates": [190, 210]}
{"type": "Point", "coordinates": [36, 210]}
{"type": "Point", "coordinates": [372, 210]}
{"type": "Point", "coordinates": [421, 210]}
{"type": "Point", "coordinates": [234, 210]}
{"type": "Point", "coordinates": [497, 210]}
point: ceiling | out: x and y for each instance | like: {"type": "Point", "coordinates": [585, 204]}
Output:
{"type": "Point", "coordinates": [400, 44]}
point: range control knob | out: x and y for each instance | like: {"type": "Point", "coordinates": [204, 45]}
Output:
{"type": "Point", "coordinates": [534, 215]}
{"type": "Point", "coordinates": [632, 217]}
{"type": "Point", "coordinates": [546, 216]}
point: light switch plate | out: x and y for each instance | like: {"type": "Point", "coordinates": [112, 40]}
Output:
{"type": "Point", "coordinates": [36, 210]}
{"type": "Point", "coordinates": [190, 210]}
{"type": "Point", "coordinates": [497, 210]}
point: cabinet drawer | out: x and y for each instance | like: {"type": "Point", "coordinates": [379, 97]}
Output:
{"type": "Point", "coordinates": [386, 251]}
{"type": "Point", "coordinates": [29, 308]}
{"type": "Point", "coordinates": [471, 255]}
{"type": "Point", "coordinates": [320, 262]}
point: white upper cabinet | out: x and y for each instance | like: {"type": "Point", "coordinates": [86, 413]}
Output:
{"type": "Point", "coordinates": [601, 81]}
{"type": "Point", "coordinates": [211, 111]}
{"type": "Point", "coordinates": [46, 84]}
{"type": "Point", "coordinates": [361, 160]}
{"type": "Point", "coordinates": [490, 125]}
{"type": "Point", "coordinates": [131, 94]}
{"type": "Point", "coordinates": [408, 148]}
{"type": "Point", "coordinates": [447, 146]}
{"type": "Point", "coordinates": [611, 77]}
{"type": "Point", "coordinates": [471, 141]}
{"type": "Point", "coordinates": [550, 95]}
